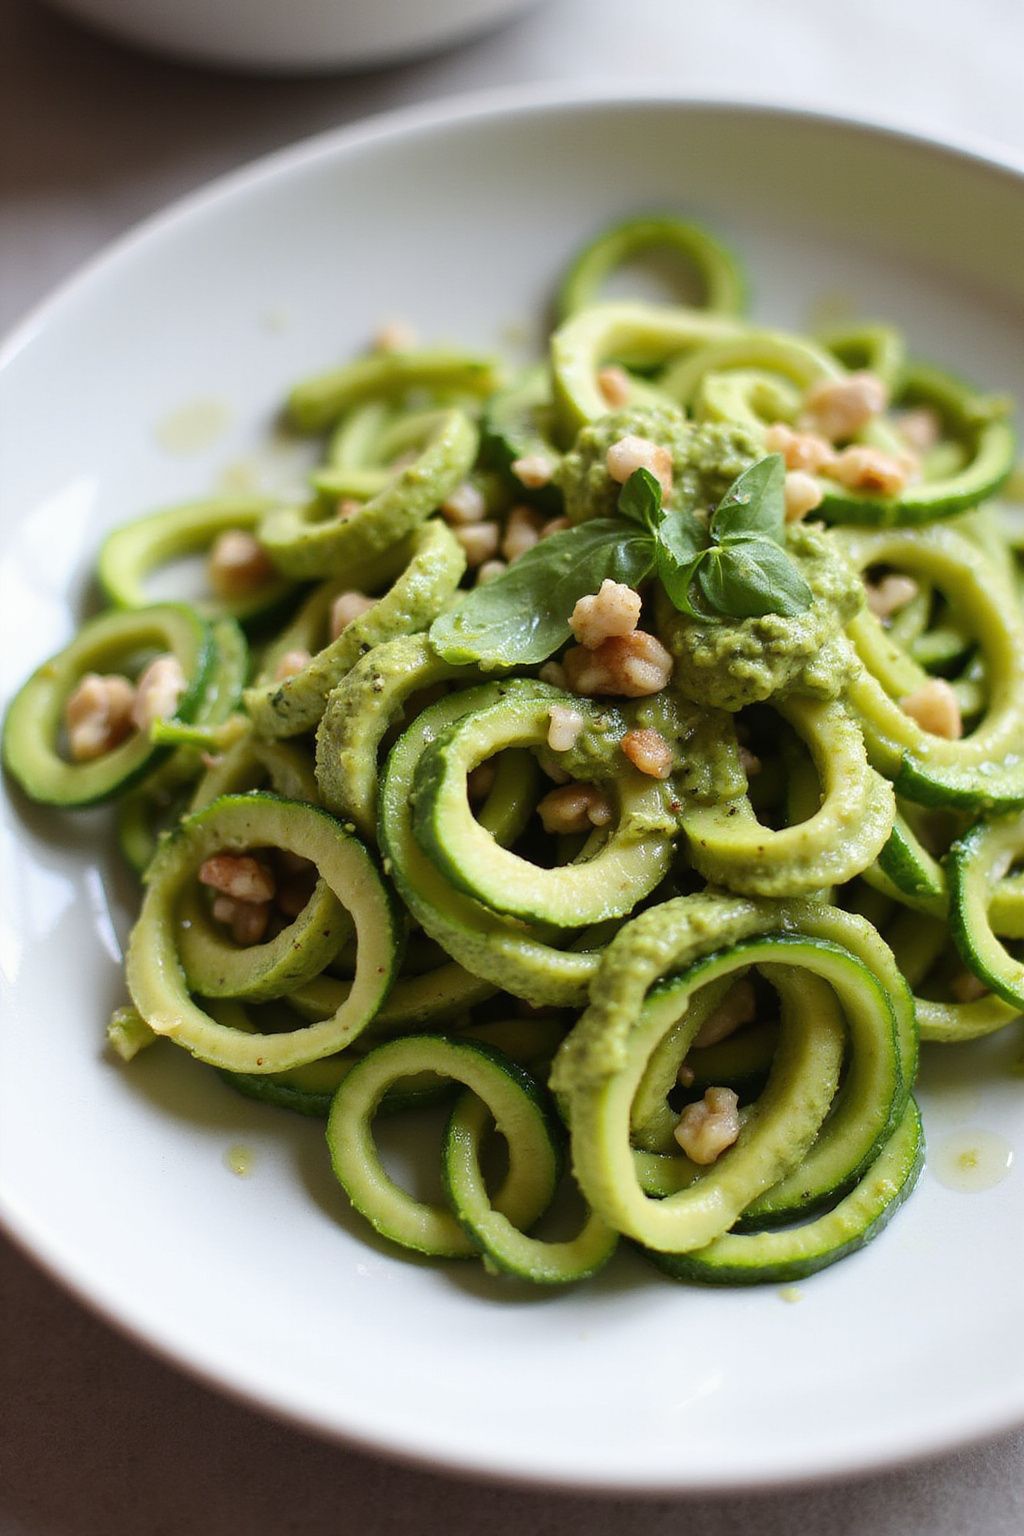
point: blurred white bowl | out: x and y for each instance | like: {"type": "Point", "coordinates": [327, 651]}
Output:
{"type": "Point", "coordinates": [293, 35]}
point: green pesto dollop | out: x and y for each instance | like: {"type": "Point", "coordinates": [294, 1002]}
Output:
{"type": "Point", "coordinates": [706, 766]}
{"type": "Point", "coordinates": [706, 458]}
{"type": "Point", "coordinates": [730, 663]}
{"type": "Point", "coordinates": [595, 754]}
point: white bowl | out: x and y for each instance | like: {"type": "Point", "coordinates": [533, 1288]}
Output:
{"type": "Point", "coordinates": [293, 35]}
{"type": "Point", "coordinates": [458, 217]}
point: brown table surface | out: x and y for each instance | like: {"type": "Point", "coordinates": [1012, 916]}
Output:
{"type": "Point", "coordinates": [97, 1438]}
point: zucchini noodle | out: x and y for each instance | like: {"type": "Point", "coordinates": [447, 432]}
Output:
{"type": "Point", "coordinates": [650, 853]}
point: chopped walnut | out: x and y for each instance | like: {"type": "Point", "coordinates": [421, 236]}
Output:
{"type": "Point", "coordinates": [480, 541]}
{"type": "Point", "coordinates": [522, 532]}
{"type": "Point", "coordinates": [238, 564]}
{"type": "Point", "coordinates": [750, 762]}
{"type": "Point", "coordinates": [480, 781]}
{"type": "Point", "coordinates": [554, 525]}
{"type": "Point", "coordinates": [934, 706]}
{"type": "Point", "coordinates": [554, 673]}
{"type": "Point", "coordinates": [648, 751]}
{"type": "Point", "coordinates": [239, 876]}
{"type": "Point", "coordinates": [466, 504]}
{"type": "Point", "coordinates": [628, 666]}
{"type": "Point", "coordinates": [631, 453]}
{"type": "Point", "coordinates": [837, 408]}
{"type": "Point", "coordinates": [395, 336]}
{"type": "Point", "coordinates": [686, 1076]}
{"type": "Point", "coordinates": [554, 770]}
{"type": "Point", "coordinates": [574, 808]}
{"type": "Point", "coordinates": [533, 470]}
{"type": "Point", "coordinates": [98, 715]}
{"type": "Point", "coordinates": [346, 607]}
{"type": "Point", "coordinates": [615, 386]}
{"type": "Point", "coordinates": [919, 428]}
{"type": "Point", "coordinates": [614, 610]}
{"type": "Point", "coordinates": [967, 988]}
{"type": "Point", "coordinates": [564, 728]}
{"type": "Point", "coordinates": [869, 469]}
{"type": "Point", "coordinates": [738, 1006]}
{"type": "Point", "coordinates": [489, 570]}
{"type": "Point", "coordinates": [806, 451]}
{"type": "Point", "coordinates": [889, 595]}
{"type": "Point", "coordinates": [157, 691]}
{"type": "Point", "coordinates": [247, 920]}
{"type": "Point", "coordinates": [291, 663]}
{"type": "Point", "coordinates": [708, 1127]}
{"type": "Point", "coordinates": [802, 494]}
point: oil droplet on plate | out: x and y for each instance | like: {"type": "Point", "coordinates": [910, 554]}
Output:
{"type": "Point", "coordinates": [275, 320]}
{"type": "Point", "coordinates": [193, 427]}
{"type": "Point", "coordinates": [239, 1160]}
{"type": "Point", "coordinates": [971, 1160]}
{"type": "Point", "coordinates": [239, 479]}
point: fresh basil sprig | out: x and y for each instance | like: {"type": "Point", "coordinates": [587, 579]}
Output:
{"type": "Point", "coordinates": [741, 567]}
{"type": "Point", "coordinates": [522, 616]}
{"type": "Point", "coordinates": [733, 566]}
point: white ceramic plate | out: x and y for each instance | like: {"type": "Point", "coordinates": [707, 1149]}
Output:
{"type": "Point", "coordinates": [458, 217]}
{"type": "Point", "coordinates": [302, 36]}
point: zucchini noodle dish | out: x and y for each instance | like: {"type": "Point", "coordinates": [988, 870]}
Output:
{"type": "Point", "coordinates": [624, 753]}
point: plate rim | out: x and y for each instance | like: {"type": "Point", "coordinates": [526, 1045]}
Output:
{"type": "Point", "coordinates": [29, 1235]}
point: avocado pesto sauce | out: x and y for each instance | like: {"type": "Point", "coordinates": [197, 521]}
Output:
{"type": "Point", "coordinates": [626, 752]}
{"type": "Point", "coordinates": [706, 458]}
{"type": "Point", "coordinates": [729, 663]}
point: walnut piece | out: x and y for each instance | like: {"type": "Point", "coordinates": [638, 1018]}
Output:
{"type": "Point", "coordinates": [613, 610]}
{"type": "Point", "coordinates": [889, 595]}
{"type": "Point", "coordinates": [807, 451]}
{"type": "Point", "coordinates": [291, 663]}
{"type": "Point", "coordinates": [157, 691]}
{"type": "Point", "coordinates": [574, 808]}
{"type": "Point", "coordinates": [480, 542]}
{"type": "Point", "coordinates": [522, 532]}
{"type": "Point", "coordinates": [648, 751]}
{"type": "Point", "coordinates": [346, 607]}
{"type": "Point", "coordinates": [935, 708]}
{"type": "Point", "coordinates": [708, 1127]}
{"type": "Point", "coordinates": [738, 1006]}
{"type": "Point", "coordinates": [564, 728]}
{"type": "Point", "coordinates": [802, 494]}
{"type": "Point", "coordinates": [238, 564]}
{"type": "Point", "coordinates": [466, 504]}
{"type": "Point", "coordinates": [98, 715]}
{"type": "Point", "coordinates": [862, 468]}
{"type": "Point", "coordinates": [239, 876]}
{"type": "Point", "coordinates": [631, 453]}
{"type": "Point", "coordinates": [626, 666]}
{"type": "Point", "coordinates": [533, 470]}
{"type": "Point", "coordinates": [837, 408]}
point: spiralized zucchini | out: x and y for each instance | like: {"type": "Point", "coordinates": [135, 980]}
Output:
{"type": "Point", "coordinates": [653, 860]}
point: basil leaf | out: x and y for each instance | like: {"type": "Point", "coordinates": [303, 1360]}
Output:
{"type": "Point", "coordinates": [522, 617]}
{"type": "Point", "coordinates": [682, 535]}
{"type": "Point", "coordinates": [755, 504]}
{"type": "Point", "coordinates": [676, 576]}
{"type": "Point", "coordinates": [750, 578]}
{"type": "Point", "coordinates": [640, 499]}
